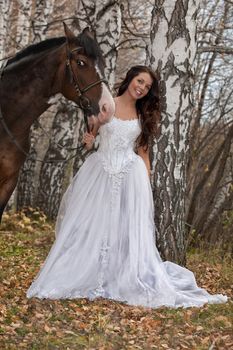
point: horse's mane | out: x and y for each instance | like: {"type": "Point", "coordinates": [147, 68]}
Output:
{"type": "Point", "coordinates": [88, 44]}
{"type": "Point", "coordinates": [37, 48]}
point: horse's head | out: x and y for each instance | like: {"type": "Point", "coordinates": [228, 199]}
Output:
{"type": "Point", "coordinates": [83, 81]}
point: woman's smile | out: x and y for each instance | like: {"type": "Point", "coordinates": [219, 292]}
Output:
{"type": "Point", "coordinates": [140, 85]}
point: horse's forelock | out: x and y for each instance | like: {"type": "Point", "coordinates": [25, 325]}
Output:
{"type": "Point", "coordinates": [91, 48]}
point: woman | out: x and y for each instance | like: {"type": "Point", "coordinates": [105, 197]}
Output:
{"type": "Point", "coordinates": [105, 244]}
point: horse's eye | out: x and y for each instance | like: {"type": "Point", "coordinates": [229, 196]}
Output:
{"type": "Point", "coordinates": [80, 63]}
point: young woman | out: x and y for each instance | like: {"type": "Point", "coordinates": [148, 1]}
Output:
{"type": "Point", "coordinates": [105, 241]}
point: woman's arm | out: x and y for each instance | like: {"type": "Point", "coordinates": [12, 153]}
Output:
{"type": "Point", "coordinates": [144, 154]}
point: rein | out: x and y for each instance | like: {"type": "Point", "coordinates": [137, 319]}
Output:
{"type": "Point", "coordinates": [83, 103]}
{"type": "Point", "coordinates": [27, 154]}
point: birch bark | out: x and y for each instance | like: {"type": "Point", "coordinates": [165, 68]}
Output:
{"type": "Point", "coordinates": [171, 53]}
{"type": "Point", "coordinates": [4, 20]}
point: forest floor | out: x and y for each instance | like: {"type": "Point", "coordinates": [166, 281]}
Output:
{"type": "Point", "coordinates": [102, 324]}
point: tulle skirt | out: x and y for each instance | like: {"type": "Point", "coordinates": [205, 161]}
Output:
{"type": "Point", "coordinates": [105, 245]}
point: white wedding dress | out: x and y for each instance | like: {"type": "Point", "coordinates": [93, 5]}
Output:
{"type": "Point", "coordinates": [105, 241]}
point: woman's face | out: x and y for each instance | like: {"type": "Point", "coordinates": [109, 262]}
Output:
{"type": "Point", "coordinates": [140, 85]}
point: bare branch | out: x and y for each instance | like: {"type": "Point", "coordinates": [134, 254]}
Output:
{"type": "Point", "coordinates": [216, 49]}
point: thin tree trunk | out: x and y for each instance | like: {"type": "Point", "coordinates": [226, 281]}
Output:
{"type": "Point", "coordinates": [5, 11]}
{"type": "Point", "coordinates": [215, 105]}
{"type": "Point", "coordinates": [213, 190]}
{"type": "Point", "coordinates": [54, 177]}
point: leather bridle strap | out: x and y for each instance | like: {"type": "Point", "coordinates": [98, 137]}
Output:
{"type": "Point", "coordinates": [80, 93]}
{"type": "Point", "coordinates": [84, 101]}
{"type": "Point", "coordinates": [16, 143]}
{"type": "Point", "coordinates": [9, 133]}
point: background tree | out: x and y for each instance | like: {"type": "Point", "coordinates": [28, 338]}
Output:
{"type": "Point", "coordinates": [172, 53]}
{"type": "Point", "coordinates": [210, 166]}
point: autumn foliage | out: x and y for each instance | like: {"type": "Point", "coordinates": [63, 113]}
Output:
{"type": "Point", "coordinates": [102, 324]}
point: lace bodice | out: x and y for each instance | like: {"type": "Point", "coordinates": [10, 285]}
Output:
{"type": "Point", "coordinates": [117, 143]}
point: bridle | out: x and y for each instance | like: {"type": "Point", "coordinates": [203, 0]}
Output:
{"type": "Point", "coordinates": [83, 103]}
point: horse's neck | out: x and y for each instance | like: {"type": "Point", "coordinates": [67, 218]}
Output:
{"type": "Point", "coordinates": [27, 86]}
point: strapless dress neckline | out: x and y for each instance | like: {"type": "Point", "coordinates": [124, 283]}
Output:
{"type": "Point", "coordinates": [126, 120]}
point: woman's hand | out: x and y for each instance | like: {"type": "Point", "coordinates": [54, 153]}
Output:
{"type": "Point", "coordinates": [88, 139]}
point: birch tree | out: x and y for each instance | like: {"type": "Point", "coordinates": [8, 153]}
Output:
{"type": "Point", "coordinates": [5, 10]}
{"type": "Point", "coordinates": [171, 54]}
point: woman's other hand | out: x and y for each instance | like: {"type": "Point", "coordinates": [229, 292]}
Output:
{"type": "Point", "coordinates": [88, 139]}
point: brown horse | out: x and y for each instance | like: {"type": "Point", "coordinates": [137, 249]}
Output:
{"type": "Point", "coordinates": [69, 65]}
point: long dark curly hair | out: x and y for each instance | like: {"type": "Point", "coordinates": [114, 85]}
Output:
{"type": "Point", "coordinates": [148, 107]}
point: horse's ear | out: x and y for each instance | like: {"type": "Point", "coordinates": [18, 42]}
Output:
{"type": "Point", "coordinates": [89, 33]}
{"type": "Point", "coordinates": [69, 34]}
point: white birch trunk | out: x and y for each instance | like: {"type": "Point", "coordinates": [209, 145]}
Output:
{"type": "Point", "coordinates": [108, 29]}
{"type": "Point", "coordinates": [54, 177]}
{"type": "Point", "coordinates": [4, 10]}
{"type": "Point", "coordinates": [171, 54]}
{"type": "Point", "coordinates": [23, 22]}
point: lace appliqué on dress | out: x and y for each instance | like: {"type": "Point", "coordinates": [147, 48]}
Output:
{"type": "Point", "coordinates": [118, 155]}
{"type": "Point", "coordinates": [117, 159]}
